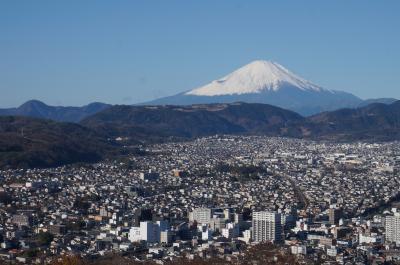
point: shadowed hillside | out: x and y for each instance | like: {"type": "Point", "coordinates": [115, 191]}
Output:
{"type": "Point", "coordinates": [184, 122]}
{"type": "Point", "coordinates": [30, 142]}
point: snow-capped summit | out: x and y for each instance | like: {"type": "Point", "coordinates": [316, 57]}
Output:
{"type": "Point", "coordinates": [269, 83]}
{"type": "Point", "coordinates": [255, 77]}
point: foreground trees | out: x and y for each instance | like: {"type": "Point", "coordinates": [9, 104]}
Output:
{"type": "Point", "coordinates": [262, 254]}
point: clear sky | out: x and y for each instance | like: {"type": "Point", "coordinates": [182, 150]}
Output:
{"type": "Point", "coordinates": [123, 52]}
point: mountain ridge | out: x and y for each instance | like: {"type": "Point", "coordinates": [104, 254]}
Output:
{"type": "Point", "coordinates": [170, 121]}
{"type": "Point", "coordinates": [38, 109]}
{"type": "Point", "coordinates": [268, 83]}
{"type": "Point", "coordinates": [33, 142]}
{"type": "Point", "coordinates": [185, 122]}
{"type": "Point", "coordinates": [254, 78]}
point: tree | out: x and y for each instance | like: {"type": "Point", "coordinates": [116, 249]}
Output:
{"type": "Point", "coordinates": [69, 260]}
{"type": "Point", "coordinates": [45, 238]}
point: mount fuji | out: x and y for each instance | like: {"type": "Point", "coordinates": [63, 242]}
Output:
{"type": "Point", "coordinates": [265, 82]}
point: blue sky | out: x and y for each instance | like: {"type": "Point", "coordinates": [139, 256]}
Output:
{"type": "Point", "coordinates": [124, 52]}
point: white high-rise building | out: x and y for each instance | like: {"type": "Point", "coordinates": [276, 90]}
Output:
{"type": "Point", "coordinates": [148, 231]}
{"type": "Point", "coordinates": [267, 226]}
{"type": "Point", "coordinates": [231, 231]}
{"type": "Point", "coordinates": [392, 227]}
{"type": "Point", "coordinates": [134, 234]}
{"type": "Point", "coordinates": [206, 233]}
{"type": "Point", "coordinates": [165, 237]}
{"type": "Point", "coordinates": [201, 215]}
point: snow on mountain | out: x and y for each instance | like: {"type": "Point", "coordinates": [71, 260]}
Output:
{"type": "Point", "coordinates": [255, 77]}
{"type": "Point", "coordinates": [268, 83]}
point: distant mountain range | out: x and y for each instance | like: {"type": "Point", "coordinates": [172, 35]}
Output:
{"type": "Point", "coordinates": [263, 82]}
{"type": "Point", "coordinates": [32, 142]}
{"type": "Point", "coordinates": [376, 121]}
{"type": "Point", "coordinates": [269, 83]}
{"type": "Point", "coordinates": [38, 135]}
{"type": "Point", "coordinates": [377, 100]}
{"type": "Point", "coordinates": [38, 109]}
{"type": "Point", "coordinates": [184, 122]}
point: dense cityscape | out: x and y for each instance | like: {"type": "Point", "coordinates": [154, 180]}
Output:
{"type": "Point", "coordinates": [199, 132]}
{"type": "Point", "coordinates": [214, 197]}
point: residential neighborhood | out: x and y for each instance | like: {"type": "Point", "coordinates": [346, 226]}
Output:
{"type": "Point", "coordinates": [213, 197]}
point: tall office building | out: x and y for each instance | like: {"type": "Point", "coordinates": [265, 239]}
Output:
{"type": "Point", "coordinates": [231, 231]}
{"type": "Point", "coordinates": [201, 215]}
{"type": "Point", "coordinates": [392, 228]}
{"type": "Point", "coordinates": [334, 215]}
{"type": "Point", "coordinates": [148, 231]}
{"type": "Point", "coordinates": [267, 227]}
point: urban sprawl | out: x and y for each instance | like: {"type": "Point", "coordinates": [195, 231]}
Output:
{"type": "Point", "coordinates": [214, 197]}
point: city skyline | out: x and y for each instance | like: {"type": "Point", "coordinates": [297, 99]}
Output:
{"type": "Point", "coordinates": [196, 133]}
